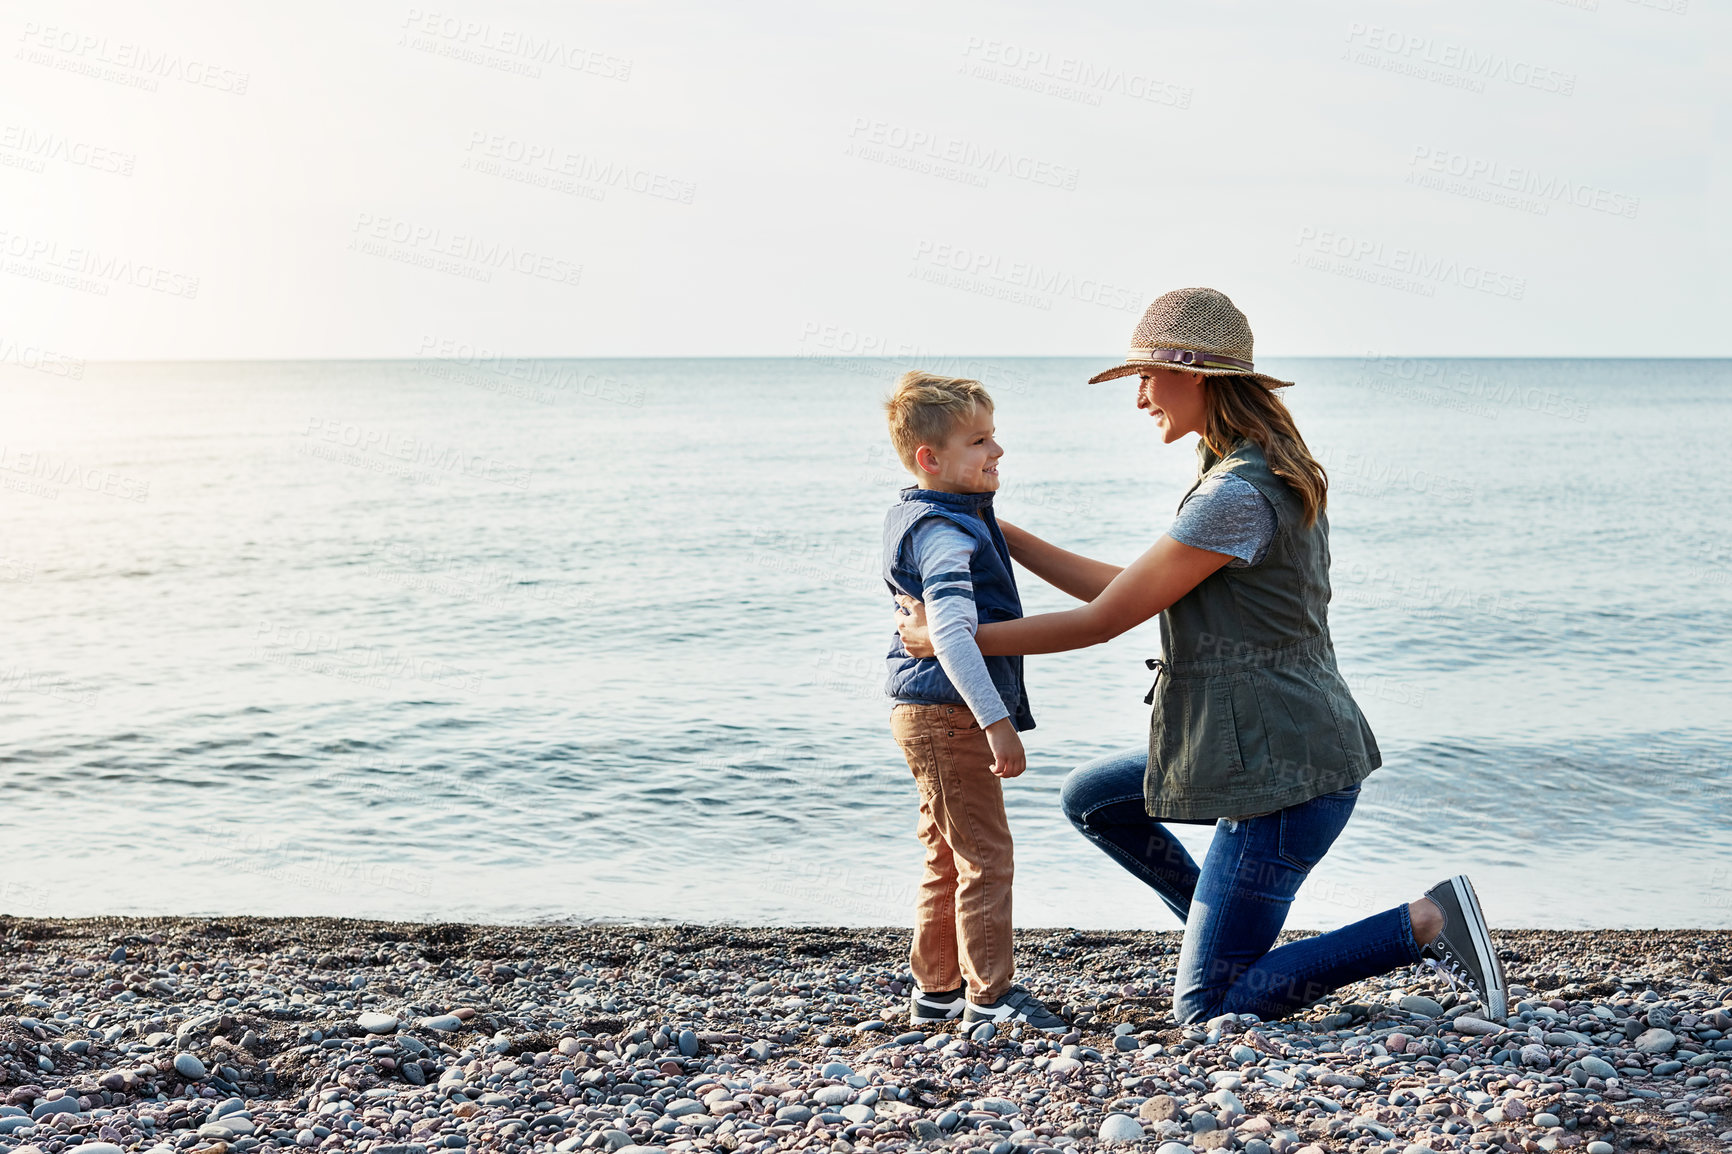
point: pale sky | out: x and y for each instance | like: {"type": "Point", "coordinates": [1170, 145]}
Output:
{"type": "Point", "coordinates": [616, 178]}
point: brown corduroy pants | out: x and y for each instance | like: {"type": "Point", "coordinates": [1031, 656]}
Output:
{"type": "Point", "coordinates": [962, 925]}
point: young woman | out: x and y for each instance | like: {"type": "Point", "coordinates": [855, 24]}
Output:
{"type": "Point", "coordinates": [1253, 729]}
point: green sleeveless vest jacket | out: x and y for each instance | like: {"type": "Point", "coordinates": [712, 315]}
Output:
{"type": "Point", "coordinates": [1250, 713]}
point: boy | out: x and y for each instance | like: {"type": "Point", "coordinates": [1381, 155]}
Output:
{"type": "Point", "coordinates": [956, 715]}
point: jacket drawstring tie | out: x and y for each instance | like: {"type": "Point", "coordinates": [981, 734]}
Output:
{"type": "Point", "coordinates": [1159, 667]}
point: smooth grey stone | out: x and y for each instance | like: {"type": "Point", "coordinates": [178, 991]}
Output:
{"type": "Point", "coordinates": [1656, 1041]}
{"type": "Point", "coordinates": [758, 989]}
{"type": "Point", "coordinates": [1546, 1121]}
{"type": "Point", "coordinates": [119, 954]}
{"type": "Point", "coordinates": [1420, 1004]}
{"type": "Point", "coordinates": [948, 1120]}
{"type": "Point", "coordinates": [1202, 1122]}
{"type": "Point", "coordinates": [1124, 1028]}
{"type": "Point", "coordinates": [1175, 1148]}
{"type": "Point", "coordinates": [16, 1122]}
{"type": "Point", "coordinates": [1124, 1044]}
{"type": "Point", "coordinates": [1244, 1055]}
{"type": "Point", "coordinates": [443, 1023]}
{"type": "Point", "coordinates": [926, 1131]}
{"type": "Point", "coordinates": [1598, 1067]}
{"type": "Point", "coordinates": [858, 1113]}
{"type": "Point", "coordinates": [416, 1076]}
{"type": "Point", "coordinates": [832, 1095]}
{"type": "Point", "coordinates": [985, 1032]}
{"type": "Point", "coordinates": [375, 1023]}
{"type": "Point", "coordinates": [837, 1070]}
{"type": "Point", "coordinates": [1119, 1128]}
{"type": "Point", "coordinates": [999, 1106]}
{"type": "Point", "coordinates": [1665, 1069]}
{"type": "Point", "coordinates": [680, 1107]}
{"type": "Point", "coordinates": [59, 1106]}
{"type": "Point", "coordinates": [689, 1043]}
{"type": "Point", "coordinates": [912, 1037]}
{"type": "Point", "coordinates": [760, 1050]}
{"type": "Point", "coordinates": [188, 1066]}
{"type": "Point", "coordinates": [795, 1113]}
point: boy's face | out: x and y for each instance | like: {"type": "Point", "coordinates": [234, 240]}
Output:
{"type": "Point", "coordinates": [967, 461]}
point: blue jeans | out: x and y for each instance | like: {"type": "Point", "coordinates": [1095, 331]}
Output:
{"type": "Point", "coordinates": [1236, 903]}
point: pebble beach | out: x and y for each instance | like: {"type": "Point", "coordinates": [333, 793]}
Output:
{"type": "Point", "coordinates": [245, 1035]}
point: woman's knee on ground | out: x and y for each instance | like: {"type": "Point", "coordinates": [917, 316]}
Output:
{"type": "Point", "coordinates": [1254, 991]}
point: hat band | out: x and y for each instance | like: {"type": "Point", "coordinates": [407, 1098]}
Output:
{"type": "Point", "coordinates": [1190, 357]}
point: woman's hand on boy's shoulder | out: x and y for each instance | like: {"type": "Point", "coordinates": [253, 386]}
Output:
{"type": "Point", "coordinates": [911, 624]}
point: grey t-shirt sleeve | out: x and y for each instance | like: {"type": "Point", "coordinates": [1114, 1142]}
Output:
{"type": "Point", "coordinates": [1227, 515]}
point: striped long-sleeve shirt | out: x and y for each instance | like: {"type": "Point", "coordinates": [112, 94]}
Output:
{"type": "Point", "coordinates": [941, 552]}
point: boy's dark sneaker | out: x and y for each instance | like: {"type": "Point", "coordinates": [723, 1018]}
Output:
{"type": "Point", "coordinates": [1463, 949]}
{"type": "Point", "coordinates": [925, 1008]}
{"type": "Point", "coordinates": [1016, 1005]}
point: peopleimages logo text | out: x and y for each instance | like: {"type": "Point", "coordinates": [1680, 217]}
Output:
{"type": "Point", "coordinates": [1521, 179]}
{"type": "Point", "coordinates": [966, 154]}
{"type": "Point", "coordinates": [147, 64]}
{"type": "Point", "coordinates": [1410, 262]}
{"type": "Point", "coordinates": [1085, 75]}
{"type": "Point", "coordinates": [1022, 275]}
{"type": "Point", "coordinates": [43, 253]}
{"type": "Point", "coordinates": [411, 236]}
{"type": "Point", "coordinates": [1427, 51]}
{"type": "Point", "coordinates": [514, 44]}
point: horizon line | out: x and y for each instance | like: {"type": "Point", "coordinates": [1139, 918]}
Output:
{"type": "Point", "coordinates": [488, 357]}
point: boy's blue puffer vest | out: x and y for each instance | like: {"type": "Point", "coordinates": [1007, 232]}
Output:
{"type": "Point", "coordinates": [995, 598]}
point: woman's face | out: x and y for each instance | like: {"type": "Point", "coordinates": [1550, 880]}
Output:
{"type": "Point", "coordinates": [1174, 398]}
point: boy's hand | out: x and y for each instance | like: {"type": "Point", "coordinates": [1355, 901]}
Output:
{"type": "Point", "coordinates": [911, 623]}
{"type": "Point", "coordinates": [1008, 760]}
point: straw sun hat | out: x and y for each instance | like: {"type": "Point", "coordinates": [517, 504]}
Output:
{"type": "Point", "coordinates": [1195, 329]}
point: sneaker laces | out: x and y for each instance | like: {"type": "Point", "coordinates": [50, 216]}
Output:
{"type": "Point", "coordinates": [1445, 963]}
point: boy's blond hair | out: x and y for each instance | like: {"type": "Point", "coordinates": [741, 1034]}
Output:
{"type": "Point", "coordinates": [925, 408]}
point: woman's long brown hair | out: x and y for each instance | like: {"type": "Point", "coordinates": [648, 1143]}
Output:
{"type": "Point", "coordinates": [1238, 407]}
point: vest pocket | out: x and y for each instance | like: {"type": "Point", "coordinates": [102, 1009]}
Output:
{"type": "Point", "coordinates": [1249, 739]}
{"type": "Point", "coordinates": [1304, 740]}
{"type": "Point", "coordinates": [1193, 739]}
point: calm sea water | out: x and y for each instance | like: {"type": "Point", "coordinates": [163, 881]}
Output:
{"type": "Point", "coordinates": [587, 639]}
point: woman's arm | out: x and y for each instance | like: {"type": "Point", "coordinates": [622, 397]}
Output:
{"type": "Point", "coordinates": [1081, 577]}
{"type": "Point", "coordinates": [1148, 585]}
